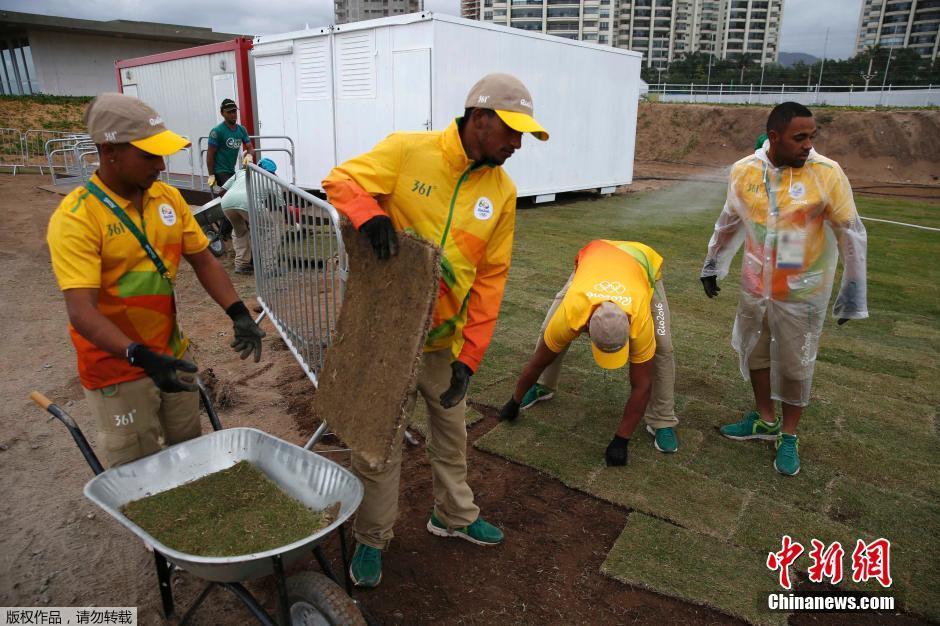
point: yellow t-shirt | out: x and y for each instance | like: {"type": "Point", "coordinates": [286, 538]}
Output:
{"type": "Point", "coordinates": [622, 272]}
{"type": "Point", "coordinates": [92, 249]}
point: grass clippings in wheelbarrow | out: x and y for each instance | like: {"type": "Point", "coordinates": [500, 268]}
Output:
{"type": "Point", "coordinates": [236, 511]}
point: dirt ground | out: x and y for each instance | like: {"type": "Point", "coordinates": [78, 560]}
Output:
{"type": "Point", "coordinates": [894, 146]}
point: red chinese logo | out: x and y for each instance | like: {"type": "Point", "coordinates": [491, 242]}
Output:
{"type": "Point", "coordinates": [782, 560]}
{"type": "Point", "coordinates": [827, 563]}
{"type": "Point", "coordinates": [872, 560]}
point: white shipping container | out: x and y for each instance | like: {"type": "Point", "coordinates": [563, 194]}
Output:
{"type": "Point", "coordinates": [338, 91]}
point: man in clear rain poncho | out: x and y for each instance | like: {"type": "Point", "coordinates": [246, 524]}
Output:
{"type": "Point", "coordinates": [793, 209]}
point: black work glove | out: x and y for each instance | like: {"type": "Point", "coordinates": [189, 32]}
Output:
{"type": "Point", "coordinates": [510, 410]}
{"type": "Point", "coordinates": [162, 368]}
{"type": "Point", "coordinates": [711, 285]}
{"type": "Point", "coordinates": [247, 334]}
{"type": "Point", "coordinates": [616, 454]}
{"type": "Point", "coordinates": [381, 233]}
{"type": "Point", "coordinates": [459, 380]}
{"type": "Point", "coordinates": [842, 320]}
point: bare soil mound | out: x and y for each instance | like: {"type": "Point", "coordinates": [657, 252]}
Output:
{"type": "Point", "coordinates": [884, 146]}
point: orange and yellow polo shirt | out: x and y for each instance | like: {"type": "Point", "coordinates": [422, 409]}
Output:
{"type": "Point", "coordinates": [622, 272]}
{"type": "Point", "coordinates": [92, 249]}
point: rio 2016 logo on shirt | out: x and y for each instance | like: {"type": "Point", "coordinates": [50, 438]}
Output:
{"type": "Point", "coordinates": [232, 142]}
{"type": "Point", "coordinates": [167, 214]}
{"type": "Point", "coordinates": [797, 190]}
{"type": "Point", "coordinates": [483, 209]}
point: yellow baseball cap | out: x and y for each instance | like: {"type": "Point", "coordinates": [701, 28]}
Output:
{"type": "Point", "coordinates": [508, 97]}
{"type": "Point", "coordinates": [610, 336]}
{"type": "Point", "coordinates": [118, 118]}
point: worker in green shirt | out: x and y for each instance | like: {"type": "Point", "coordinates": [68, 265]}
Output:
{"type": "Point", "coordinates": [225, 140]}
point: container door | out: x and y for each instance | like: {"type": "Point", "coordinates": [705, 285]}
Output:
{"type": "Point", "coordinates": [130, 90]}
{"type": "Point", "coordinates": [269, 89]}
{"type": "Point", "coordinates": [223, 86]}
{"type": "Point", "coordinates": [412, 86]}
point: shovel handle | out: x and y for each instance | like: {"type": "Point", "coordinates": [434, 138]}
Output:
{"type": "Point", "coordinates": [40, 399]}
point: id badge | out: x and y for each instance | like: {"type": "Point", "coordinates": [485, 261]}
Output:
{"type": "Point", "coordinates": [791, 249]}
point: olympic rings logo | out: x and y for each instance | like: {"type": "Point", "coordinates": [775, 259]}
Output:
{"type": "Point", "coordinates": [610, 287]}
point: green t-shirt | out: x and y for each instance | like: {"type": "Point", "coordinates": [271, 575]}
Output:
{"type": "Point", "coordinates": [227, 142]}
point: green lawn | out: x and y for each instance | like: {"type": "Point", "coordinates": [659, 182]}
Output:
{"type": "Point", "coordinates": [868, 443]}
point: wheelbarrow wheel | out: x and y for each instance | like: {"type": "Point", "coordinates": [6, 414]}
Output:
{"type": "Point", "coordinates": [216, 245]}
{"type": "Point", "coordinates": [315, 600]}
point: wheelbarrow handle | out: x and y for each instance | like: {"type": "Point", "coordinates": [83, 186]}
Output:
{"type": "Point", "coordinates": [76, 432]}
{"type": "Point", "coordinates": [39, 398]}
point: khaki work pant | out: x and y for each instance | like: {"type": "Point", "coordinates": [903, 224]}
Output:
{"type": "Point", "coordinates": [447, 452]}
{"type": "Point", "coordinates": [135, 418]}
{"type": "Point", "coordinates": [241, 237]}
{"type": "Point", "coordinates": [661, 410]}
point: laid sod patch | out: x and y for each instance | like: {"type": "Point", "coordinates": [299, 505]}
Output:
{"type": "Point", "coordinates": [236, 511]}
{"type": "Point", "coordinates": [876, 510]}
{"type": "Point", "coordinates": [868, 441]}
{"type": "Point", "coordinates": [419, 419]}
{"type": "Point", "coordinates": [656, 555]}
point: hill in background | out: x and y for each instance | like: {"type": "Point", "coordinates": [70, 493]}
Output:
{"type": "Point", "coordinates": [789, 59]}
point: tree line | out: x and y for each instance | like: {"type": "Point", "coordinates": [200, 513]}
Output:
{"type": "Point", "coordinates": [898, 66]}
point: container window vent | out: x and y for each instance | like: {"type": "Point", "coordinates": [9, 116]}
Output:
{"type": "Point", "coordinates": [356, 65]}
{"type": "Point", "coordinates": [313, 69]}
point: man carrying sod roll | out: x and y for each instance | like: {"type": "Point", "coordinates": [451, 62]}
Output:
{"type": "Point", "coordinates": [116, 245]}
{"type": "Point", "coordinates": [615, 294]}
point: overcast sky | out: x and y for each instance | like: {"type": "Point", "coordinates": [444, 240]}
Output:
{"type": "Point", "coordinates": [804, 21]}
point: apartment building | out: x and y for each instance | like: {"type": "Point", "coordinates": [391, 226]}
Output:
{"type": "Point", "coordinates": [663, 30]}
{"type": "Point", "coordinates": [346, 11]}
{"type": "Point", "coordinates": [911, 24]}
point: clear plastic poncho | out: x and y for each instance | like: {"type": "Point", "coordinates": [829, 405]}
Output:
{"type": "Point", "coordinates": [794, 223]}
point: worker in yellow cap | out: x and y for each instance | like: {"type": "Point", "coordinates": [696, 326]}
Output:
{"type": "Point", "coordinates": [616, 295]}
{"type": "Point", "coordinates": [116, 244]}
{"type": "Point", "coordinates": [447, 187]}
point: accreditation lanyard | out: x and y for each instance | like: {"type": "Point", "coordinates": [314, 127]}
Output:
{"type": "Point", "coordinates": [99, 193]}
{"type": "Point", "coordinates": [790, 243]}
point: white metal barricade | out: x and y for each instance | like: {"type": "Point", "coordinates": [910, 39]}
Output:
{"type": "Point", "coordinates": [12, 150]}
{"type": "Point", "coordinates": [263, 144]}
{"type": "Point", "coordinates": [300, 266]}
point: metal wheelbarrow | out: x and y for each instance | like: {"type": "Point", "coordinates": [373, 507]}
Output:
{"type": "Point", "coordinates": [211, 217]}
{"type": "Point", "coordinates": [307, 598]}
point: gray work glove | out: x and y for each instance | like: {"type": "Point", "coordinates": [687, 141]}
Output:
{"type": "Point", "coordinates": [247, 333]}
{"type": "Point", "coordinates": [162, 368]}
{"type": "Point", "coordinates": [459, 381]}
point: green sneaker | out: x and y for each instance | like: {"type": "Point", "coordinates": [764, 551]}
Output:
{"type": "Point", "coordinates": [751, 427]}
{"type": "Point", "coordinates": [788, 455]}
{"type": "Point", "coordinates": [665, 439]}
{"type": "Point", "coordinates": [366, 566]}
{"type": "Point", "coordinates": [536, 393]}
{"type": "Point", "coordinates": [479, 532]}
